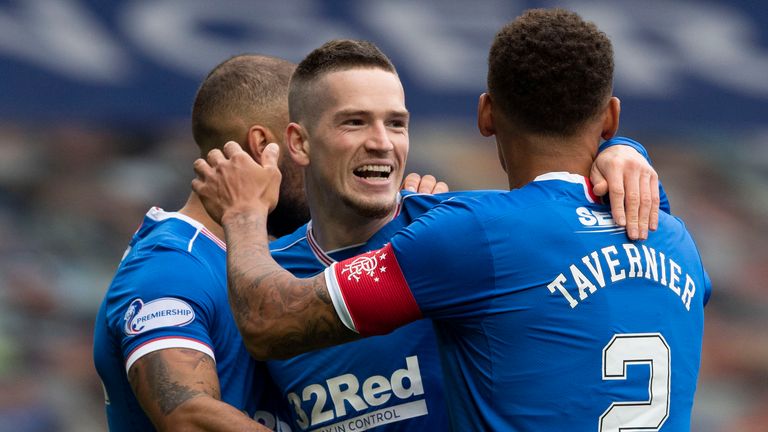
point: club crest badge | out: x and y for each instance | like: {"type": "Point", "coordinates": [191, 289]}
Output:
{"type": "Point", "coordinates": [368, 264]}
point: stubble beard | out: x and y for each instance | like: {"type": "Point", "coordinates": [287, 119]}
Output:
{"type": "Point", "coordinates": [370, 210]}
{"type": "Point", "coordinates": [292, 210]}
{"type": "Point", "coordinates": [287, 217]}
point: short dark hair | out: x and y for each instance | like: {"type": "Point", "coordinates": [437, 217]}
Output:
{"type": "Point", "coordinates": [242, 91]}
{"type": "Point", "coordinates": [550, 71]}
{"type": "Point", "coordinates": [333, 56]}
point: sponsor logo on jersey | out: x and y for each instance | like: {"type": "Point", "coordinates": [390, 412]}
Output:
{"type": "Point", "coordinates": [163, 312]}
{"type": "Point", "coordinates": [342, 403]}
{"type": "Point", "coordinates": [596, 221]}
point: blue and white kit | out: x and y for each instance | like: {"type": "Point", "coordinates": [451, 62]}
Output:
{"type": "Point", "coordinates": [547, 316]}
{"type": "Point", "coordinates": [170, 292]}
{"type": "Point", "coordinates": [391, 382]}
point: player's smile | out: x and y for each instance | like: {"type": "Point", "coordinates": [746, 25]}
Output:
{"type": "Point", "coordinates": [373, 172]}
{"type": "Point", "coordinates": [374, 175]}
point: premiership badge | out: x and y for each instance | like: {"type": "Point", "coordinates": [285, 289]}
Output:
{"type": "Point", "coordinates": [162, 312]}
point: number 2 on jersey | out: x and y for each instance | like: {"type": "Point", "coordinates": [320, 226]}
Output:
{"type": "Point", "coordinates": [637, 348]}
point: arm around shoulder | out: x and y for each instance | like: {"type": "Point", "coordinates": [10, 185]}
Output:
{"type": "Point", "coordinates": [280, 316]}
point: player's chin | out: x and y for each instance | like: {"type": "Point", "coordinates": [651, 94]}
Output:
{"type": "Point", "coordinates": [374, 206]}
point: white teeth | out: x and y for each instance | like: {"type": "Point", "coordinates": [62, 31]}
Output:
{"type": "Point", "coordinates": [375, 168]}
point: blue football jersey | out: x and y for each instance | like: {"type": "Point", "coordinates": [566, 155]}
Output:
{"type": "Point", "coordinates": [392, 382]}
{"type": "Point", "coordinates": [170, 292]}
{"type": "Point", "coordinates": [548, 318]}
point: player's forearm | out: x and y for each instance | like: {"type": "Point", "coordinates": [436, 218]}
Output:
{"type": "Point", "coordinates": [278, 315]}
{"type": "Point", "coordinates": [206, 414]}
{"type": "Point", "coordinates": [179, 390]}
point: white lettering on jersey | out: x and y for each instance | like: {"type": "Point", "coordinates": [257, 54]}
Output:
{"type": "Point", "coordinates": [596, 221]}
{"type": "Point", "coordinates": [162, 312]}
{"type": "Point", "coordinates": [587, 274]}
{"type": "Point", "coordinates": [348, 396]}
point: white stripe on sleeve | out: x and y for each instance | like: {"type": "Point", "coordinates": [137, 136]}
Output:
{"type": "Point", "coordinates": [336, 297]}
{"type": "Point", "coordinates": [165, 343]}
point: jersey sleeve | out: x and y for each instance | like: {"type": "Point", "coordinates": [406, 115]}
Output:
{"type": "Point", "coordinates": [428, 270]}
{"type": "Point", "coordinates": [663, 199]}
{"type": "Point", "coordinates": [162, 301]}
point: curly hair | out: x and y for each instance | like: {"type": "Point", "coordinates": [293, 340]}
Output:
{"type": "Point", "coordinates": [333, 56]}
{"type": "Point", "coordinates": [550, 71]}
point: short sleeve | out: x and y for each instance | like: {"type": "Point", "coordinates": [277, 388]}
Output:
{"type": "Point", "coordinates": [444, 256]}
{"type": "Point", "coordinates": [161, 300]}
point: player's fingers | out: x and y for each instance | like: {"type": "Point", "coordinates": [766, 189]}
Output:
{"type": "Point", "coordinates": [427, 184]}
{"type": "Point", "coordinates": [441, 187]}
{"type": "Point", "coordinates": [644, 212]}
{"type": "Point", "coordinates": [270, 155]}
{"type": "Point", "coordinates": [655, 202]}
{"type": "Point", "coordinates": [632, 204]}
{"type": "Point", "coordinates": [201, 167]}
{"type": "Point", "coordinates": [599, 184]}
{"type": "Point", "coordinates": [215, 157]}
{"type": "Point", "coordinates": [232, 148]}
{"type": "Point", "coordinates": [616, 196]}
{"type": "Point", "coordinates": [197, 185]}
{"type": "Point", "coordinates": [600, 188]}
{"type": "Point", "coordinates": [411, 182]}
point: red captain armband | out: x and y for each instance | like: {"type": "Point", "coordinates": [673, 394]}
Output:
{"type": "Point", "coordinates": [375, 292]}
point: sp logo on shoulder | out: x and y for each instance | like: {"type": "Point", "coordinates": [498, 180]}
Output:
{"type": "Point", "coordinates": [162, 312]}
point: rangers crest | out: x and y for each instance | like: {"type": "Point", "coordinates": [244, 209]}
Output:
{"type": "Point", "coordinates": [366, 264]}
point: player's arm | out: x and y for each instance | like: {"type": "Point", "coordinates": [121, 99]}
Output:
{"type": "Point", "coordinates": [277, 314]}
{"type": "Point", "coordinates": [178, 388]}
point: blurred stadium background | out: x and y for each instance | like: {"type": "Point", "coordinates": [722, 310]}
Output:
{"type": "Point", "coordinates": [94, 129]}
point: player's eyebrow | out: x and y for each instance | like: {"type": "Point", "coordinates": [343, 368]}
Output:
{"type": "Point", "coordinates": [404, 114]}
{"type": "Point", "coordinates": [350, 113]}
{"type": "Point", "coordinates": [365, 113]}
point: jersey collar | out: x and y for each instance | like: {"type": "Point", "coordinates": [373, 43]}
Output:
{"type": "Point", "coordinates": [572, 178]}
{"type": "Point", "coordinates": [157, 214]}
{"type": "Point", "coordinates": [321, 255]}
{"type": "Point", "coordinates": [325, 256]}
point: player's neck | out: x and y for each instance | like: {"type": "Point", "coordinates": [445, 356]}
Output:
{"type": "Point", "coordinates": [335, 229]}
{"type": "Point", "coordinates": [529, 157]}
{"type": "Point", "coordinates": [194, 209]}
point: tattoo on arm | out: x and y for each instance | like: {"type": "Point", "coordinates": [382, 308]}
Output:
{"type": "Point", "coordinates": [291, 315]}
{"type": "Point", "coordinates": [168, 378]}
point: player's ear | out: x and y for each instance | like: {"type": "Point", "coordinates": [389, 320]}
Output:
{"type": "Point", "coordinates": [611, 118]}
{"type": "Point", "coordinates": [258, 138]}
{"type": "Point", "coordinates": [297, 142]}
{"type": "Point", "coordinates": [485, 116]}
